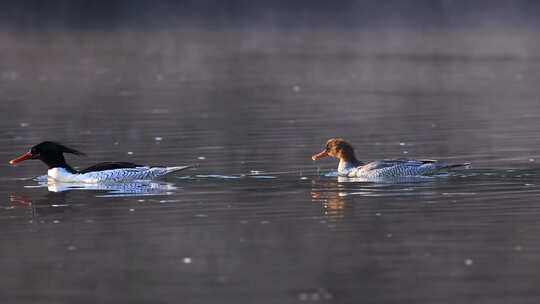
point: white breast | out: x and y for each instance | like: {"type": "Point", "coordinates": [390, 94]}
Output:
{"type": "Point", "coordinates": [61, 174]}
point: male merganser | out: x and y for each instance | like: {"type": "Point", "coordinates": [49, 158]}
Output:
{"type": "Point", "coordinates": [52, 154]}
{"type": "Point", "coordinates": [349, 166]}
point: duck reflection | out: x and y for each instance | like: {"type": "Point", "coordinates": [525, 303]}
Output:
{"type": "Point", "coordinates": [332, 203]}
{"type": "Point", "coordinates": [57, 198]}
{"type": "Point", "coordinates": [331, 196]}
{"type": "Point", "coordinates": [113, 189]}
{"type": "Point", "coordinates": [50, 204]}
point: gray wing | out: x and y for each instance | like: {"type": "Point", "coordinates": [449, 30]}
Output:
{"type": "Point", "coordinates": [387, 163]}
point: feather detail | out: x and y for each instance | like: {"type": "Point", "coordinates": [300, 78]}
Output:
{"type": "Point", "coordinates": [113, 175]}
{"type": "Point", "coordinates": [399, 168]}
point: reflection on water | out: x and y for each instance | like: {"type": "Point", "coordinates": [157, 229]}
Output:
{"type": "Point", "coordinates": [333, 204]}
{"type": "Point", "coordinates": [113, 189]}
{"type": "Point", "coordinates": [56, 201]}
{"type": "Point", "coordinates": [49, 205]}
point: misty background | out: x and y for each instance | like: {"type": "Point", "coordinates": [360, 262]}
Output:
{"type": "Point", "coordinates": [88, 69]}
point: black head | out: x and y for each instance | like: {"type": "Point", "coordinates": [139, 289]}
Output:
{"type": "Point", "coordinates": [51, 153]}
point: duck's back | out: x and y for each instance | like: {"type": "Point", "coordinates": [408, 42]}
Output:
{"type": "Point", "coordinates": [109, 166]}
{"type": "Point", "coordinates": [400, 168]}
{"type": "Point", "coordinates": [112, 175]}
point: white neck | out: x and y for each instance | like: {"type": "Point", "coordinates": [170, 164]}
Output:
{"type": "Point", "coordinates": [345, 166]}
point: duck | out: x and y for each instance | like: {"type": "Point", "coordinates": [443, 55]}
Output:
{"type": "Point", "coordinates": [52, 154]}
{"type": "Point", "coordinates": [350, 166]}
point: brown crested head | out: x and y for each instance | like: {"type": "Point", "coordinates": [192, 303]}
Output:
{"type": "Point", "coordinates": [338, 148]}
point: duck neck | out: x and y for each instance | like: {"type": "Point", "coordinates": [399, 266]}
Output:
{"type": "Point", "coordinates": [347, 163]}
{"type": "Point", "coordinates": [59, 162]}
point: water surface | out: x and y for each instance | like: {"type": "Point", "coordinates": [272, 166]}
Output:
{"type": "Point", "coordinates": [256, 221]}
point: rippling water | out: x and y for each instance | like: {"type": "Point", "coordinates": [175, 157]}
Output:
{"type": "Point", "coordinates": [256, 221]}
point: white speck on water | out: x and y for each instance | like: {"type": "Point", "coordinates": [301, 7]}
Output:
{"type": "Point", "coordinates": [59, 205]}
{"type": "Point", "coordinates": [255, 172]}
{"type": "Point", "coordinates": [297, 88]}
{"type": "Point", "coordinates": [71, 248]}
{"type": "Point", "coordinates": [531, 160]}
{"type": "Point", "coordinates": [116, 143]}
{"type": "Point", "coordinates": [402, 144]}
{"type": "Point", "coordinates": [327, 295]}
{"type": "Point", "coordinates": [24, 124]}
{"type": "Point", "coordinates": [378, 214]}
{"type": "Point", "coordinates": [158, 138]}
{"type": "Point", "coordinates": [130, 153]}
{"type": "Point", "coordinates": [389, 235]}
{"type": "Point", "coordinates": [304, 178]}
{"type": "Point", "coordinates": [131, 210]}
{"type": "Point", "coordinates": [201, 215]}
{"type": "Point", "coordinates": [201, 158]}
{"type": "Point", "coordinates": [405, 152]}
{"type": "Point", "coordinates": [186, 260]}
{"type": "Point", "coordinates": [468, 262]}
{"type": "Point", "coordinates": [314, 295]}
{"type": "Point", "coordinates": [141, 201]}
{"type": "Point", "coordinates": [56, 221]}
{"type": "Point", "coordinates": [11, 75]}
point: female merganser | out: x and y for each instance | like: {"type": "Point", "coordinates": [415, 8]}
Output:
{"type": "Point", "coordinates": [52, 154]}
{"type": "Point", "coordinates": [349, 166]}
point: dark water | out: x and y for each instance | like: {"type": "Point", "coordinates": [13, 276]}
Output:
{"type": "Point", "coordinates": [256, 221]}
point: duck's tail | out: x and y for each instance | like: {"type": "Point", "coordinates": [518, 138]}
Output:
{"type": "Point", "coordinates": [167, 170]}
{"type": "Point", "coordinates": [155, 172]}
{"type": "Point", "coordinates": [439, 165]}
{"type": "Point", "coordinates": [435, 167]}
